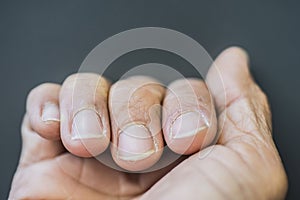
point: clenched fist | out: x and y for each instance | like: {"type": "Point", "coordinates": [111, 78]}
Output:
{"type": "Point", "coordinates": [66, 126]}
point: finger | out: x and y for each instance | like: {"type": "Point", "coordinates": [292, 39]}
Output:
{"type": "Point", "coordinates": [65, 176]}
{"type": "Point", "coordinates": [41, 123]}
{"type": "Point", "coordinates": [205, 178]}
{"type": "Point", "coordinates": [204, 174]}
{"type": "Point", "coordinates": [36, 148]}
{"type": "Point", "coordinates": [240, 102]}
{"type": "Point", "coordinates": [189, 116]}
{"type": "Point", "coordinates": [85, 129]}
{"type": "Point", "coordinates": [194, 179]}
{"type": "Point", "coordinates": [43, 110]}
{"type": "Point", "coordinates": [229, 77]}
{"type": "Point", "coordinates": [244, 115]}
{"type": "Point", "coordinates": [61, 184]}
{"type": "Point", "coordinates": [135, 114]}
{"type": "Point", "coordinates": [245, 142]}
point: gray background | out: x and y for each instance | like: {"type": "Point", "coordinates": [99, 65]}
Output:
{"type": "Point", "coordinates": [47, 40]}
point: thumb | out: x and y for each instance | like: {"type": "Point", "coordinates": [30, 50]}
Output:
{"type": "Point", "coordinates": [245, 157]}
{"type": "Point", "coordinates": [242, 107]}
{"type": "Point", "coordinates": [40, 127]}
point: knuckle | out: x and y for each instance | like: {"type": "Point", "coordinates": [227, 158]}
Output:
{"type": "Point", "coordinates": [141, 78]}
{"type": "Point", "coordinates": [179, 82]}
{"type": "Point", "coordinates": [139, 100]}
{"type": "Point", "coordinates": [80, 77]}
{"type": "Point", "coordinates": [85, 80]}
{"type": "Point", "coordinates": [40, 88]}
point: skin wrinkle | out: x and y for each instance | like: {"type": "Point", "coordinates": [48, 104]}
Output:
{"type": "Point", "coordinates": [241, 167]}
{"type": "Point", "coordinates": [22, 163]}
{"type": "Point", "coordinates": [23, 180]}
{"type": "Point", "coordinates": [210, 179]}
{"type": "Point", "coordinates": [251, 165]}
{"type": "Point", "coordinates": [259, 119]}
{"type": "Point", "coordinates": [256, 148]}
{"type": "Point", "coordinates": [126, 178]}
{"type": "Point", "coordinates": [223, 108]}
{"type": "Point", "coordinates": [79, 181]}
{"type": "Point", "coordinates": [137, 104]}
{"type": "Point", "coordinates": [239, 138]}
{"type": "Point", "coordinates": [244, 152]}
{"type": "Point", "coordinates": [239, 184]}
{"type": "Point", "coordinates": [237, 156]}
{"type": "Point", "coordinates": [70, 196]}
{"type": "Point", "coordinates": [122, 179]}
{"type": "Point", "coordinates": [248, 167]}
{"type": "Point", "coordinates": [241, 130]}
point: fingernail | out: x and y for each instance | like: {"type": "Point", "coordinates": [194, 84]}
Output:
{"type": "Point", "coordinates": [135, 143]}
{"type": "Point", "coordinates": [50, 112]}
{"type": "Point", "coordinates": [87, 125]}
{"type": "Point", "coordinates": [188, 124]}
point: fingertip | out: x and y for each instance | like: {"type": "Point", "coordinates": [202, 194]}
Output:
{"type": "Point", "coordinates": [85, 128]}
{"type": "Point", "coordinates": [237, 50]}
{"type": "Point", "coordinates": [43, 110]}
{"type": "Point", "coordinates": [85, 147]}
{"type": "Point", "coordinates": [139, 163]}
{"type": "Point", "coordinates": [135, 113]}
{"type": "Point", "coordinates": [234, 59]}
{"type": "Point", "coordinates": [88, 137]}
{"type": "Point", "coordinates": [189, 116]}
{"type": "Point", "coordinates": [229, 76]}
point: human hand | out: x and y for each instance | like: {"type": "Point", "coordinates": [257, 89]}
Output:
{"type": "Point", "coordinates": [55, 161]}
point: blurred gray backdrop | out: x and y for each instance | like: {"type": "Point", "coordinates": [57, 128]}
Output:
{"type": "Point", "coordinates": [44, 41]}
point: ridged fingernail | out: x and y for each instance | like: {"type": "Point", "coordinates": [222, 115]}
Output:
{"type": "Point", "coordinates": [188, 124]}
{"type": "Point", "coordinates": [87, 125]}
{"type": "Point", "coordinates": [135, 143]}
{"type": "Point", "coordinates": [50, 112]}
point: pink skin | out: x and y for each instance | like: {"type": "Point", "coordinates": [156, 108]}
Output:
{"type": "Point", "coordinates": [64, 126]}
{"type": "Point", "coordinates": [189, 116]}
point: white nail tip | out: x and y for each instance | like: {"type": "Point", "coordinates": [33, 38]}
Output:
{"type": "Point", "coordinates": [86, 136]}
{"type": "Point", "coordinates": [137, 157]}
{"type": "Point", "coordinates": [135, 143]}
{"type": "Point", "coordinates": [49, 120]}
{"type": "Point", "coordinates": [190, 133]}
